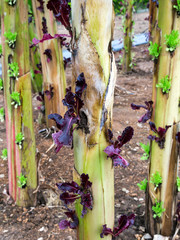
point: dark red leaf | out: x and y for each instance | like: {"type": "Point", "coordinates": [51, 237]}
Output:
{"type": "Point", "coordinates": [47, 52]}
{"type": "Point", "coordinates": [44, 26]}
{"type": "Point", "coordinates": [41, 6]}
{"type": "Point", "coordinates": [68, 198]}
{"type": "Point", "coordinates": [126, 136]}
{"type": "Point", "coordinates": [68, 187]}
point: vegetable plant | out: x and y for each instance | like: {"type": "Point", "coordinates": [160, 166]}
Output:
{"type": "Point", "coordinates": [4, 154]}
{"type": "Point", "coordinates": [1, 84]}
{"type": "Point", "coordinates": [156, 180]}
{"type": "Point", "coordinates": [11, 2]}
{"type": "Point", "coordinates": [158, 209]}
{"type": "Point", "coordinates": [177, 7]}
{"type": "Point", "coordinates": [15, 99]}
{"type": "Point", "coordinates": [148, 107]}
{"type": "Point", "coordinates": [146, 148]}
{"type": "Point", "coordinates": [178, 184]}
{"type": "Point", "coordinates": [19, 139]}
{"type": "Point", "coordinates": [154, 50]}
{"type": "Point", "coordinates": [172, 40]}
{"type": "Point", "coordinates": [164, 84]}
{"type": "Point", "coordinates": [11, 38]}
{"type": "Point", "coordinates": [143, 185]}
{"type": "Point", "coordinates": [13, 71]}
{"type": "Point", "coordinates": [2, 114]}
{"type": "Point", "coordinates": [22, 181]}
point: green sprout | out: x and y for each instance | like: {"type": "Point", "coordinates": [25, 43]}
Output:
{"type": "Point", "coordinates": [146, 149]}
{"type": "Point", "coordinates": [178, 184]}
{"type": "Point", "coordinates": [0, 50]}
{"type": "Point", "coordinates": [19, 139]}
{"type": "Point", "coordinates": [15, 99]}
{"type": "Point", "coordinates": [1, 84]}
{"type": "Point", "coordinates": [156, 179]}
{"type": "Point", "coordinates": [172, 40]}
{"type": "Point", "coordinates": [154, 50]}
{"type": "Point", "coordinates": [13, 70]}
{"type": "Point", "coordinates": [4, 154]}
{"type": "Point", "coordinates": [11, 38]}
{"type": "Point", "coordinates": [142, 185]}
{"type": "Point", "coordinates": [165, 84]}
{"type": "Point", "coordinates": [158, 209]}
{"type": "Point", "coordinates": [22, 181]}
{"type": "Point", "coordinates": [11, 2]}
{"type": "Point", "coordinates": [177, 7]}
{"type": "Point", "coordinates": [2, 114]}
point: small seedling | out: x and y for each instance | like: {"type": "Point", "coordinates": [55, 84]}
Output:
{"type": "Point", "coordinates": [22, 181]}
{"type": "Point", "coordinates": [143, 185]}
{"type": "Point", "coordinates": [2, 114]}
{"type": "Point", "coordinates": [1, 84]}
{"type": "Point", "coordinates": [0, 50]}
{"type": "Point", "coordinates": [164, 84]}
{"type": "Point", "coordinates": [19, 139]}
{"type": "Point", "coordinates": [154, 50]}
{"type": "Point", "coordinates": [172, 41]}
{"type": "Point", "coordinates": [156, 179]}
{"type": "Point", "coordinates": [158, 209]}
{"type": "Point", "coordinates": [11, 2]}
{"type": "Point", "coordinates": [146, 149]}
{"type": "Point", "coordinates": [13, 71]}
{"type": "Point", "coordinates": [178, 184]}
{"type": "Point", "coordinates": [15, 99]}
{"type": "Point", "coordinates": [11, 38]}
{"type": "Point", "coordinates": [177, 7]}
{"type": "Point", "coordinates": [4, 154]}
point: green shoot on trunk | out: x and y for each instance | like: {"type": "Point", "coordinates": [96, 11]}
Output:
{"type": "Point", "coordinates": [13, 70]}
{"type": "Point", "coordinates": [2, 114]}
{"type": "Point", "coordinates": [11, 2]}
{"type": "Point", "coordinates": [146, 149]}
{"type": "Point", "coordinates": [143, 185]}
{"type": "Point", "coordinates": [172, 41]}
{"type": "Point", "coordinates": [165, 84]}
{"type": "Point", "coordinates": [158, 209]}
{"type": "Point", "coordinates": [11, 38]}
{"type": "Point", "coordinates": [178, 184]}
{"type": "Point", "coordinates": [4, 154]}
{"type": "Point", "coordinates": [15, 99]}
{"type": "Point", "coordinates": [154, 50]}
{"type": "Point", "coordinates": [19, 139]}
{"type": "Point", "coordinates": [22, 181]}
{"type": "Point", "coordinates": [156, 179]}
{"type": "Point", "coordinates": [1, 84]}
{"type": "Point", "coordinates": [0, 50]}
{"type": "Point", "coordinates": [177, 7]}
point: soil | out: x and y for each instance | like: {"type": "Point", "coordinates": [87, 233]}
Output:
{"type": "Point", "coordinates": [41, 222]}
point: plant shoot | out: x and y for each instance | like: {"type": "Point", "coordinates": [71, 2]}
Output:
{"type": "Point", "coordinates": [154, 50]}
{"type": "Point", "coordinates": [146, 148]}
{"type": "Point", "coordinates": [158, 209]}
{"type": "Point", "coordinates": [164, 84]}
{"type": "Point", "coordinates": [22, 181]}
{"type": "Point", "coordinates": [15, 99]}
{"type": "Point", "coordinates": [4, 155]}
{"type": "Point", "coordinates": [172, 41]}
{"type": "Point", "coordinates": [11, 38]}
{"type": "Point", "coordinates": [156, 179]}
{"type": "Point", "coordinates": [19, 139]}
{"type": "Point", "coordinates": [2, 114]}
{"type": "Point", "coordinates": [143, 185]}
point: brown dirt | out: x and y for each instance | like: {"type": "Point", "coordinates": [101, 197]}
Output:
{"type": "Point", "coordinates": [41, 222]}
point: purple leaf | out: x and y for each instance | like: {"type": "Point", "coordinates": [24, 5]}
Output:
{"type": "Point", "coordinates": [47, 52]}
{"type": "Point", "coordinates": [64, 224]}
{"type": "Point", "coordinates": [124, 223]}
{"type": "Point", "coordinates": [80, 85]}
{"type": "Point", "coordinates": [69, 187]}
{"type": "Point", "coordinates": [48, 36]}
{"type": "Point", "coordinates": [148, 107]}
{"type": "Point", "coordinates": [85, 183]}
{"type": "Point", "coordinates": [49, 93]}
{"type": "Point", "coordinates": [71, 224]}
{"type": "Point", "coordinates": [69, 198]}
{"type": "Point", "coordinates": [178, 137]}
{"type": "Point", "coordinates": [110, 135]}
{"type": "Point", "coordinates": [119, 161]}
{"type": "Point", "coordinates": [61, 11]}
{"type": "Point", "coordinates": [44, 26]}
{"type": "Point", "coordinates": [86, 202]}
{"type": "Point", "coordinates": [41, 7]}
{"type": "Point", "coordinates": [111, 151]}
{"type": "Point", "coordinates": [58, 144]}
{"type": "Point", "coordinates": [126, 136]}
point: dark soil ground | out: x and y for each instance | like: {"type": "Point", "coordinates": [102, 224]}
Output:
{"type": "Point", "coordinates": [41, 222]}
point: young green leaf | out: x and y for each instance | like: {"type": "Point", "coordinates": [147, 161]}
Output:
{"type": "Point", "coordinates": [15, 99]}
{"type": "Point", "coordinates": [11, 38]}
{"type": "Point", "coordinates": [13, 70]}
{"type": "Point", "coordinates": [164, 84]}
{"type": "Point", "coordinates": [19, 139]}
{"type": "Point", "coordinates": [0, 50]}
{"type": "Point", "coordinates": [143, 185]}
{"type": "Point", "coordinates": [154, 50]}
{"type": "Point", "coordinates": [177, 7]}
{"type": "Point", "coordinates": [22, 181]}
{"type": "Point", "coordinates": [158, 209]}
{"type": "Point", "coordinates": [146, 149]}
{"type": "Point", "coordinates": [172, 40]}
{"type": "Point", "coordinates": [4, 154]}
{"type": "Point", "coordinates": [156, 179]}
{"type": "Point", "coordinates": [178, 184]}
{"type": "Point", "coordinates": [11, 2]}
{"type": "Point", "coordinates": [1, 84]}
{"type": "Point", "coordinates": [2, 114]}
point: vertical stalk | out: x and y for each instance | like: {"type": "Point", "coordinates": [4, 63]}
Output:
{"type": "Point", "coordinates": [92, 32]}
{"type": "Point", "coordinates": [153, 14]}
{"type": "Point", "coordinates": [19, 120]}
{"type": "Point", "coordinates": [166, 112]}
{"type": "Point", "coordinates": [128, 24]}
{"type": "Point", "coordinates": [53, 71]}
